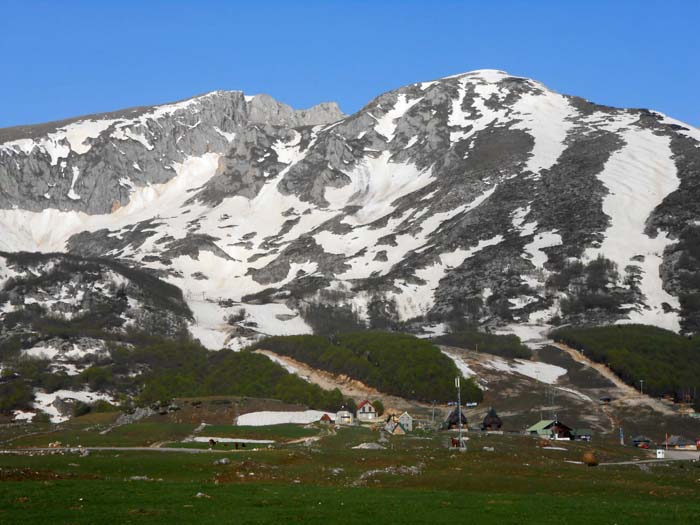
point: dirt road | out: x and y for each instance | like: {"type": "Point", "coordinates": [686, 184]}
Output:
{"type": "Point", "coordinates": [628, 395]}
{"type": "Point", "coordinates": [348, 386]}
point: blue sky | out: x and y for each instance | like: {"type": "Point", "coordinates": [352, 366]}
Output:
{"type": "Point", "coordinates": [67, 58]}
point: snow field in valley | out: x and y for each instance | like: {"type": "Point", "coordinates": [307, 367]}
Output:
{"type": "Point", "coordinates": [264, 418]}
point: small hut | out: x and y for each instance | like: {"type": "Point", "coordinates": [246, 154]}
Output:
{"type": "Point", "coordinates": [582, 434]}
{"type": "Point", "coordinates": [344, 417]}
{"type": "Point", "coordinates": [550, 429]}
{"type": "Point", "coordinates": [492, 421]}
{"type": "Point", "coordinates": [325, 419]}
{"type": "Point", "coordinates": [680, 443]}
{"type": "Point", "coordinates": [452, 421]}
{"type": "Point", "coordinates": [641, 442]}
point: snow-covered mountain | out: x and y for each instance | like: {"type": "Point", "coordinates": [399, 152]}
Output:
{"type": "Point", "coordinates": [480, 197]}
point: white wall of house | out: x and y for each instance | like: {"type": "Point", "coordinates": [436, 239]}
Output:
{"type": "Point", "coordinates": [367, 413]}
{"type": "Point", "coordinates": [344, 418]}
{"type": "Point", "coordinates": [406, 421]}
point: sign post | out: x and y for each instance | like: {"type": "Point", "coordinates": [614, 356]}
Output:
{"type": "Point", "coordinates": [459, 412]}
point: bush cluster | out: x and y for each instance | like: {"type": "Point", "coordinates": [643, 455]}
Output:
{"type": "Point", "coordinates": [668, 363]}
{"type": "Point", "coordinates": [397, 364]}
{"type": "Point", "coordinates": [508, 346]}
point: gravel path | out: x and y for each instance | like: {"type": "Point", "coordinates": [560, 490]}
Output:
{"type": "Point", "coordinates": [116, 449]}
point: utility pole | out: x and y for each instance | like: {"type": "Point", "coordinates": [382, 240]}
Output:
{"type": "Point", "coordinates": [641, 386]}
{"type": "Point", "coordinates": [459, 411]}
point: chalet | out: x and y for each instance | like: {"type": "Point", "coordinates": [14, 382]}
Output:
{"type": "Point", "coordinates": [452, 421]}
{"type": "Point", "coordinates": [343, 417]}
{"type": "Point", "coordinates": [394, 428]}
{"type": "Point", "coordinates": [406, 421]}
{"type": "Point", "coordinates": [325, 419]}
{"type": "Point", "coordinates": [582, 434]}
{"type": "Point", "coordinates": [491, 422]}
{"type": "Point", "coordinates": [680, 443]}
{"type": "Point", "coordinates": [641, 442]}
{"type": "Point", "coordinates": [550, 429]}
{"type": "Point", "coordinates": [366, 412]}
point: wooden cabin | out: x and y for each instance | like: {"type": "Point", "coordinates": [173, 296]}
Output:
{"type": "Point", "coordinates": [492, 422]}
{"type": "Point", "coordinates": [680, 443]}
{"type": "Point", "coordinates": [641, 442]}
{"type": "Point", "coordinates": [452, 421]}
{"type": "Point", "coordinates": [551, 429]}
{"type": "Point", "coordinates": [582, 434]}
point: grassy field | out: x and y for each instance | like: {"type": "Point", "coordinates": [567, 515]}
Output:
{"type": "Point", "coordinates": [274, 432]}
{"type": "Point", "coordinates": [134, 435]}
{"type": "Point", "coordinates": [168, 502]}
{"type": "Point", "coordinates": [414, 480]}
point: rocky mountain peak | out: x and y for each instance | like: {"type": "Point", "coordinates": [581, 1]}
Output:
{"type": "Point", "coordinates": [478, 198]}
{"type": "Point", "coordinates": [263, 109]}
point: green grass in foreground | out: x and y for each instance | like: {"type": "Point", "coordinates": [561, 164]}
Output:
{"type": "Point", "coordinates": [78, 501]}
{"type": "Point", "coordinates": [414, 480]}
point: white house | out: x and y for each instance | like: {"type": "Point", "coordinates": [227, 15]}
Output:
{"type": "Point", "coordinates": [343, 417]}
{"type": "Point", "coordinates": [406, 421]}
{"type": "Point", "coordinates": [366, 412]}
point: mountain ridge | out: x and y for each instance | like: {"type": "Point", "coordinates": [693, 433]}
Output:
{"type": "Point", "coordinates": [481, 198]}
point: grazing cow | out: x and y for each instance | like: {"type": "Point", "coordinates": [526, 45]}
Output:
{"type": "Point", "coordinates": [212, 443]}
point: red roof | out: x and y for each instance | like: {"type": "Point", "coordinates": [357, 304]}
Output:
{"type": "Point", "coordinates": [365, 402]}
{"type": "Point", "coordinates": [325, 417]}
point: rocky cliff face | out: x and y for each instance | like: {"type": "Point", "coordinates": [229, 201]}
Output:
{"type": "Point", "coordinates": [92, 164]}
{"type": "Point", "coordinates": [480, 198]}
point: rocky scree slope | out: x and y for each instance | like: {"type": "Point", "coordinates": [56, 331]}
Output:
{"type": "Point", "coordinates": [68, 309]}
{"type": "Point", "coordinates": [481, 198]}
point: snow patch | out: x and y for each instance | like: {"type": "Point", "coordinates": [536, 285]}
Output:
{"type": "Point", "coordinates": [542, 372]}
{"type": "Point", "coordinates": [268, 417]}
{"type": "Point", "coordinates": [386, 125]}
{"type": "Point", "coordinates": [460, 364]}
{"type": "Point", "coordinates": [546, 116]}
{"type": "Point", "coordinates": [45, 402]}
{"type": "Point", "coordinates": [646, 161]}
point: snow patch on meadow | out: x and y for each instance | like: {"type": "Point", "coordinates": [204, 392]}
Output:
{"type": "Point", "coordinates": [269, 417]}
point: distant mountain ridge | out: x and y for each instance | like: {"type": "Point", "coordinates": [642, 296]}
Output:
{"type": "Point", "coordinates": [479, 198]}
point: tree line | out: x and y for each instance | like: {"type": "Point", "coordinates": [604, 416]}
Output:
{"type": "Point", "coordinates": [393, 363]}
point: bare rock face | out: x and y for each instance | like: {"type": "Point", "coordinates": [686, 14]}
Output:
{"type": "Point", "coordinates": [93, 163]}
{"type": "Point", "coordinates": [265, 110]}
{"type": "Point", "coordinates": [481, 198]}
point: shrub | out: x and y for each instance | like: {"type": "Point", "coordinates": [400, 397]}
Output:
{"type": "Point", "coordinates": [80, 409]}
{"type": "Point", "coordinates": [508, 346]}
{"type": "Point", "coordinates": [378, 406]}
